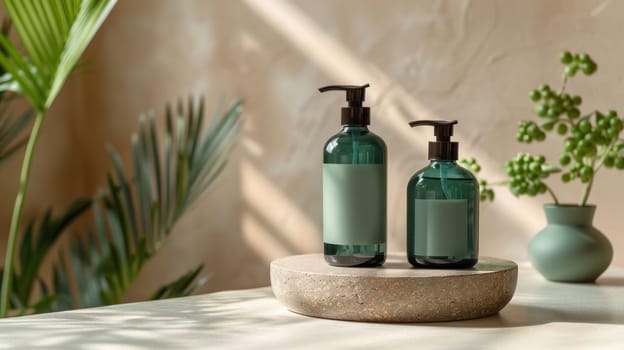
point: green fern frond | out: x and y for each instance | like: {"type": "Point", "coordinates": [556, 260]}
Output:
{"type": "Point", "coordinates": [36, 241]}
{"type": "Point", "coordinates": [54, 33]}
{"type": "Point", "coordinates": [184, 285]}
{"type": "Point", "coordinates": [134, 217]}
{"type": "Point", "coordinates": [10, 130]}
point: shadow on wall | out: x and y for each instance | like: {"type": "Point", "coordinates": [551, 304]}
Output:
{"type": "Point", "coordinates": [272, 224]}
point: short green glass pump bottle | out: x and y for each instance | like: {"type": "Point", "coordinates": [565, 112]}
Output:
{"type": "Point", "coordinates": [442, 207]}
{"type": "Point", "coordinates": [354, 188]}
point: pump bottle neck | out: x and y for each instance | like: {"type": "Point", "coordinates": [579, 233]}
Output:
{"type": "Point", "coordinates": [354, 127]}
{"type": "Point", "coordinates": [445, 161]}
{"type": "Point", "coordinates": [439, 150]}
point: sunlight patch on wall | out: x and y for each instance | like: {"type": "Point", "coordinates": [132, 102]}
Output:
{"type": "Point", "coordinates": [272, 225]}
{"type": "Point", "coordinates": [252, 147]}
{"type": "Point", "coordinates": [260, 239]}
{"type": "Point", "coordinates": [389, 98]}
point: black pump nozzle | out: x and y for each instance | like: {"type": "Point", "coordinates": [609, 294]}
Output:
{"type": "Point", "coordinates": [355, 114]}
{"type": "Point", "coordinates": [442, 148]}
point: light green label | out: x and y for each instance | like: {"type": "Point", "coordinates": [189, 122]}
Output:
{"type": "Point", "coordinates": [354, 204]}
{"type": "Point", "coordinates": [441, 227]}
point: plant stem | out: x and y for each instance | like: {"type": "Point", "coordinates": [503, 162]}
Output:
{"type": "Point", "coordinates": [588, 187]}
{"type": "Point", "coordinates": [586, 192]}
{"type": "Point", "coordinates": [595, 166]}
{"type": "Point", "coordinates": [7, 276]}
{"type": "Point", "coordinates": [552, 194]}
{"type": "Point", "coordinates": [499, 183]}
{"type": "Point", "coordinates": [563, 84]}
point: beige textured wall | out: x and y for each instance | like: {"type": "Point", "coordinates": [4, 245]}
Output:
{"type": "Point", "coordinates": [473, 61]}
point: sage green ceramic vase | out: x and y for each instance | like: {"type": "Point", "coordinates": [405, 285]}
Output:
{"type": "Point", "coordinates": [569, 248]}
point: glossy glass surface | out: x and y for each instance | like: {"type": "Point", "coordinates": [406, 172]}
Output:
{"type": "Point", "coordinates": [444, 180]}
{"type": "Point", "coordinates": [355, 145]}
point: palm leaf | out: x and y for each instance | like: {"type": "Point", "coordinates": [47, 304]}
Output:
{"type": "Point", "coordinates": [184, 285]}
{"type": "Point", "coordinates": [36, 241]}
{"type": "Point", "coordinates": [10, 130]}
{"type": "Point", "coordinates": [54, 33]}
{"type": "Point", "coordinates": [134, 217]}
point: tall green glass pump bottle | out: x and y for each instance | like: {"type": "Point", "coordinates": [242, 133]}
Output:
{"type": "Point", "coordinates": [442, 207]}
{"type": "Point", "coordinates": [354, 188]}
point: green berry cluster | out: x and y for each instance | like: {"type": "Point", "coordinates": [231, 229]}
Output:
{"type": "Point", "coordinates": [526, 172]}
{"type": "Point", "coordinates": [574, 62]}
{"type": "Point", "coordinates": [528, 132]}
{"type": "Point", "coordinates": [589, 144]}
{"type": "Point", "coordinates": [615, 158]}
{"type": "Point", "coordinates": [590, 141]}
{"type": "Point", "coordinates": [558, 110]}
{"type": "Point", "coordinates": [485, 192]}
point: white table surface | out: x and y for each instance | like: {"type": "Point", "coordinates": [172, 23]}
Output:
{"type": "Point", "coordinates": [542, 315]}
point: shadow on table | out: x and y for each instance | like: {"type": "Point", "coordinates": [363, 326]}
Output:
{"type": "Point", "coordinates": [159, 325]}
{"type": "Point", "coordinates": [597, 303]}
{"type": "Point", "coordinates": [610, 281]}
{"type": "Point", "coordinates": [518, 315]}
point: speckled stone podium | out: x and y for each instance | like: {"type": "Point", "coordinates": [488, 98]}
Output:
{"type": "Point", "coordinates": [396, 292]}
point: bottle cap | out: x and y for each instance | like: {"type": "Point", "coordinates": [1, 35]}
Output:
{"type": "Point", "coordinates": [355, 113]}
{"type": "Point", "coordinates": [442, 148]}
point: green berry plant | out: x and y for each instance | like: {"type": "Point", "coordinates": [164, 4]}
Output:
{"type": "Point", "coordinates": [590, 141]}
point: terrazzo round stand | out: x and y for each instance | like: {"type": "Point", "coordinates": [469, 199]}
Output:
{"type": "Point", "coordinates": [396, 292]}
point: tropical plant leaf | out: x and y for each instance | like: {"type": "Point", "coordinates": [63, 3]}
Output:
{"type": "Point", "coordinates": [132, 218]}
{"type": "Point", "coordinates": [54, 33]}
{"type": "Point", "coordinates": [44, 304]}
{"type": "Point", "coordinates": [35, 243]}
{"type": "Point", "coordinates": [10, 130]}
{"type": "Point", "coordinates": [184, 285]}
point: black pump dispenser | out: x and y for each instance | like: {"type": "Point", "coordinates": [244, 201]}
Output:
{"type": "Point", "coordinates": [442, 148]}
{"type": "Point", "coordinates": [355, 114]}
{"type": "Point", "coordinates": [354, 188]}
